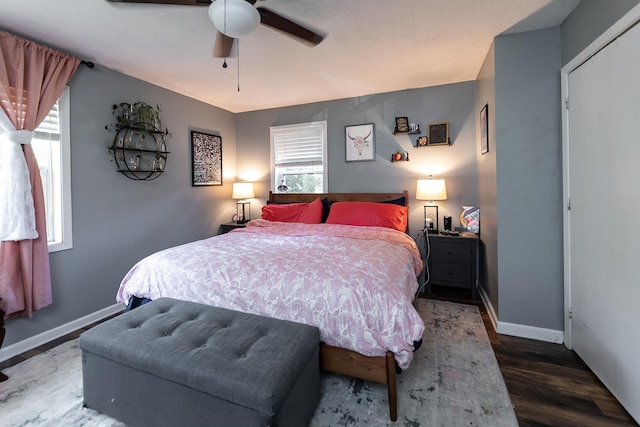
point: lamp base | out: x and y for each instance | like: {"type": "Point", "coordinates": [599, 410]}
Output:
{"type": "Point", "coordinates": [241, 212]}
{"type": "Point", "coordinates": [429, 224]}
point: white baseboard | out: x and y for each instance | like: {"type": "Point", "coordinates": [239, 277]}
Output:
{"type": "Point", "coordinates": [62, 330]}
{"type": "Point", "coordinates": [531, 332]}
{"type": "Point", "coordinates": [521, 331]}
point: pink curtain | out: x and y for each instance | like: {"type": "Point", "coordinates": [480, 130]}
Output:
{"type": "Point", "coordinates": [32, 77]}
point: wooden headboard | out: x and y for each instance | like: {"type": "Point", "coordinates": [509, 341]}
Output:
{"type": "Point", "coordinates": [338, 197]}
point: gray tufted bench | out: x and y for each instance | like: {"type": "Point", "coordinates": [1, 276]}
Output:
{"type": "Point", "coordinates": [177, 363]}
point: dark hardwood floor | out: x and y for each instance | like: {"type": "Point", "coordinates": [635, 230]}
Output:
{"type": "Point", "coordinates": [548, 384]}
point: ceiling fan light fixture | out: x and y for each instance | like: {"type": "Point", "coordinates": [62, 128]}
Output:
{"type": "Point", "coordinates": [234, 18]}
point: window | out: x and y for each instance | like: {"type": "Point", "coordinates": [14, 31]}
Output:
{"type": "Point", "coordinates": [299, 158]}
{"type": "Point", "coordinates": [51, 145]}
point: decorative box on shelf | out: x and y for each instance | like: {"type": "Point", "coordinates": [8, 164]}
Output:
{"type": "Point", "coordinates": [423, 141]}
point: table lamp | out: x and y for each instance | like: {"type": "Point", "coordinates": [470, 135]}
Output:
{"type": "Point", "coordinates": [243, 191]}
{"type": "Point", "coordinates": [431, 190]}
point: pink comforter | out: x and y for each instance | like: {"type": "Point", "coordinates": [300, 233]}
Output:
{"type": "Point", "coordinates": [356, 284]}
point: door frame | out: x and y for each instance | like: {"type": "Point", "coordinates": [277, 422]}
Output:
{"type": "Point", "coordinates": [617, 29]}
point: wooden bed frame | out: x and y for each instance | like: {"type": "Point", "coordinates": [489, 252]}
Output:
{"type": "Point", "coordinates": [381, 369]}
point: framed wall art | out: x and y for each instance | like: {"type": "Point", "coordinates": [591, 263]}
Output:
{"type": "Point", "coordinates": [438, 134]}
{"type": "Point", "coordinates": [402, 124]}
{"type": "Point", "coordinates": [484, 129]}
{"type": "Point", "coordinates": [206, 159]}
{"type": "Point", "coordinates": [360, 144]}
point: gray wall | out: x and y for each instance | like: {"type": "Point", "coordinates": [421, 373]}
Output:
{"type": "Point", "coordinates": [487, 181]}
{"type": "Point", "coordinates": [456, 163]}
{"type": "Point", "coordinates": [117, 221]}
{"type": "Point", "coordinates": [588, 21]}
{"type": "Point", "coordinates": [520, 179]}
{"type": "Point", "coordinates": [529, 178]}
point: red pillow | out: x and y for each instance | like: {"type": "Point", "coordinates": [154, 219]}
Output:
{"type": "Point", "coordinates": [308, 213]}
{"type": "Point", "coordinates": [369, 213]}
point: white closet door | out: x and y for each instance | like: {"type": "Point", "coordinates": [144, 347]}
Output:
{"type": "Point", "coordinates": [604, 221]}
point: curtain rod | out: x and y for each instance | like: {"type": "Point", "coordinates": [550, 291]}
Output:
{"type": "Point", "coordinates": [88, 64]}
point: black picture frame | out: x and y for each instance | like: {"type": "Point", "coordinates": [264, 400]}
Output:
{"type": "Point", "coordinates": [206, 159]}
{"type": "Point", "coordinates": [402, 124]}
{"type": "Point", "coordinates": [484, 129]}
{"type": "Point", "coordinates": [438, 134]}
{"type": "Point", "coordinates": [360, 143]}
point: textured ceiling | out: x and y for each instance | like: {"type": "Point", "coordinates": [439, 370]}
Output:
{"type": "Point", "coordinates": [372, 46]}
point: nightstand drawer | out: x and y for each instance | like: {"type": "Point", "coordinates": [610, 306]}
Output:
{"type": "Point", "coordinates": [442, 272]}
{"type": "Point", "coordinates": [451, 252]}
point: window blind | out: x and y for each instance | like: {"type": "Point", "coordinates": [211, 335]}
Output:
{"type": "Point", "coordinates": [49, 129]}
{"type": "Point", "coordinates": [298, 145]}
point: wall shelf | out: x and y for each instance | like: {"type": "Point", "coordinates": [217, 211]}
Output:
{"type": "Point", "coordinates": [139, 148]}
{"type": "Point", "coordinates": [412, 132]}
{"type": "Point", "coordinates": [400, 156]}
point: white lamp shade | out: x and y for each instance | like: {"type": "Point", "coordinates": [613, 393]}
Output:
{"type": "Point", "coordinates": [243, 190]}
{"type": "Point", "coordinates": [234, 18]}
{"type": "Point", "coordinates": [431, 189]}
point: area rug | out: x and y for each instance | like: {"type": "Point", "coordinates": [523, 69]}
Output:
{"type": "Point", "coordinates": [454, 380]}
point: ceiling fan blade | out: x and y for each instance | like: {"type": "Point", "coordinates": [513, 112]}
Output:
{"type": "Point", "coordinates": [222, 46]}
{"type": "Point", "coordinates": [279, 22]}
{"type": "Point", "coordinates": [178, 2]}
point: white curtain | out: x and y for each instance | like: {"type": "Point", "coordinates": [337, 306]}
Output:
{"type": "Point", "coordinates": [17, 213]}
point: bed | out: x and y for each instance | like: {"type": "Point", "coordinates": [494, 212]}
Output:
{"type": "Point", "coordinates": [345, 273]}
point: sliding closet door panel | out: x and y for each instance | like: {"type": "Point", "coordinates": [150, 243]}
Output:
{"type": "Point", "coordinates": [604, 182]}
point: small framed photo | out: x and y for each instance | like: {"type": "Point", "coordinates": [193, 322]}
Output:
{"type": "Point", "coordinates": [484, 129]}
{"type": "Point", "coordinates": [360, 144]}
{"type": "Point", "coordinates": [423, 141]}
{"type": "Point", "coordinates": [402, 124]}
{"type": "Point", "coordinates": [206, 159]}
{"type": "Point", "coordinates": [438, 134]}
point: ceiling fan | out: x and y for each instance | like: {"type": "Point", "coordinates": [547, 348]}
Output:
{"type": "Point", "coordinates": [225, 13]}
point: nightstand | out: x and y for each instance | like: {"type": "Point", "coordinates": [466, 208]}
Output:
{"type": "Point", "coordinates": [227, 227]}
{"type": "Point", "coordinates": [454, 261]}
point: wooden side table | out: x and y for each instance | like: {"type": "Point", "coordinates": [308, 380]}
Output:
{"type": "Point", "coordinates": [454, 261]}
{"type": "Point", "coordinates": [227, 227]}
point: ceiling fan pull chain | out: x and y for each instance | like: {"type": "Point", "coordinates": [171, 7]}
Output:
{"type": "Point", "coordinates": [224, 62]}
{"type": "Point", "coordinates": [238, 48]}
